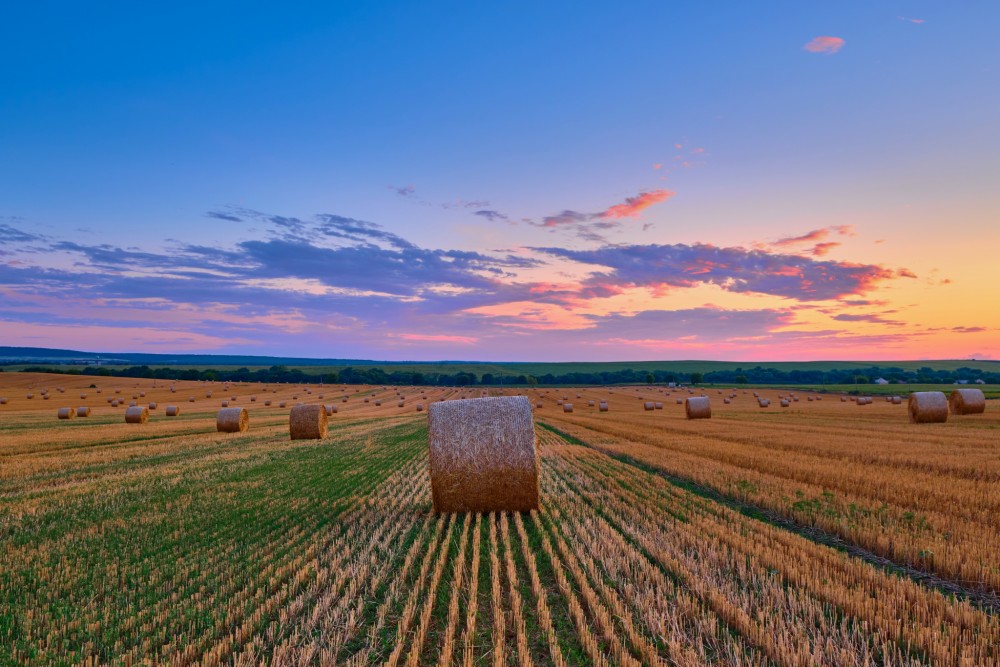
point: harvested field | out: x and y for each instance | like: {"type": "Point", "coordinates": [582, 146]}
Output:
{"type": "Point", "coordinates": [170, 543]}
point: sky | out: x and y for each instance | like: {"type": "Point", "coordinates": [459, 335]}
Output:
{"type": "Point", "coordinates": [555, 181]}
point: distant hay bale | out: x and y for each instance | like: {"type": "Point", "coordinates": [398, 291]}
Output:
{"type": "Point", "coordinates": [378, 403]}
{"type": "Point", "coordinates": [590, 404]}
{"type": "Point", "coordinates": [648, 405]}
{"type": "Point", "coordinates": [282, 404]}
{"type": "Point", "coordinates": [133, 404]}
{"type": "Point", "coordinates": [253, 399]}
{"type": "Point", "coordinates": [698, 407]}
{"type": "Point", "coordinates": [232, 420]}
{"type": "Point", "coordinates": [136, 414]}
{"type": "Point", "coordinates": [420, 407]}
{"type": "Point", "coordinates": [267, 403]}
{"type": "Point", "coordinates": [967, 402]}
{"type": "Point", "coordinates": [680, 401]}
{"type": "Point", "coordinates": [114, 403]}
{"type": "Point", "coordinates": [727, 401]}
{"type": "Point", "coordinates": [173, 411]}
{"type": "Point", "coordinates": [3, 401]}
{"type": "Point", "coordinates": [331, 410]}
{"type": "Point", "coordinates": [763, 402]}
{"type": "Point", "coordinates": [567, 407]}
{"type": "Point", "coordinates": [658, 405]}
{"type": "Point", "coordinates": [83, 396]}
{"type": "Point", "coordinates": [190, 399]}
{"type": "Point", "coordinates": [603, 406]}
{"type": "Point", "coordinates": [152, 406]}
{"type": "Point", "coordinates": [343, 400]}
{"type": "Point", "coordinates": [483, 456]}
{"type": "Point", "coordinates": [225, 404]}
{"type": "Point", "coordinates": [538, 404]}
{"type": "Point", "coordinates": [897, 400]}
{"type": "Point", "coordinates": [843, 399]}
{"type": "Point", "coordinates": [83, 412]}
{"type": "Point", "coordinates": [366, 400]}
{"type": "Point", "coordinates": [928, 407]}
{"type": "Point", "coordinates": [401, 404]}
{"type": "Point", "coordinates": [66, 413]}
{"type": "Point", "coordinates": [307, 422]}
{"type": "Point", "coordinates": [784, 403]}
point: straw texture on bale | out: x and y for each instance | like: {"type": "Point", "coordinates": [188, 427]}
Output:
{"type": "Point", "coordinates": [483, 456]}
{"type": "Point", "coordinates": [173, 411]}
{"type": "Point", "coordinates": [649, 405]}
{"type": "Point", "coordinates": [567, 407]}
{"type": "Point", "coordinates": [232, 420]}
{"type": "Point", "coordinates": [307, 422]}
{"type": "Point", "coordinates": [136, 414]}
{"type": "Point", "coordinates": [83, 412]}
{"type": "Point", "coordinates": [66, 413]}
{"type": "Point", "coordinates": [928, 407]}
{"type": "Point", "coordinates": [698, 407]}
{"type": "Point", "coordinates": [967, 402]}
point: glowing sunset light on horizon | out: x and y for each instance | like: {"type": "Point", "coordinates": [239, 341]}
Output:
{"type": "Point", "coordinates": [351, 187]}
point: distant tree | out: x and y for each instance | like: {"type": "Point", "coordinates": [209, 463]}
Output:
{"type": "Point", "coordinates": [740, 379]}
{"type": "Point", "coordinates": [696, 378]}
{"type": "Point", "coordinates": [650, 378]}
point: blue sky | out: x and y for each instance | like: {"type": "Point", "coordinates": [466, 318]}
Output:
{"type": "Point", "coordinates": [463, 128]}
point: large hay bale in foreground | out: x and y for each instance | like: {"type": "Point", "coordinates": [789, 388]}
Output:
{"type": "Point", "coordinates": [83, 412]}
{"type": "Point", "coordinates": [307, 422]}
{"type": "Point", "coordinates": [928, 407]}
{"type": "Point", "coordinates": [66, 413]}
{"type": "Point", "coordinates": [173, 411]}
{"type": "Point", "coordinates": [136, 414]}
{"type": "Point", "coordinates": [482, 455]}
{"type": "Point", "coordinates": [698, 407]}
{"type": "Point", "coordinates": [967, 402]}
{"type": "Point", "coordinates": [232, 420]}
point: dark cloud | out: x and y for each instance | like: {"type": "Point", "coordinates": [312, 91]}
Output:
{"type": "Point", "coordinates": [224, 216]}
{"type": "Point", "coordinates": [492, 216]}
{"type": "Point", "coordinates": [732, 269]}
{"type": "Point", "coordinates": [10, 234]}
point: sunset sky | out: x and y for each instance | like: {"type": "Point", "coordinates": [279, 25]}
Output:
{"type": "Point", "coordinates": [532, 181]}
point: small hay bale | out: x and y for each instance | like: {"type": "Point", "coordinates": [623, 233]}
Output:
{"type": "Point", "coordinates": [680, 401]}
{"type": "Point", "coordinates": [232, 420]}
{"type": "Point", "coordinates": [567, 407]}
{"type": "Point", "coordinates": [307, 422]}
{"type": "Point", "coordinates": [763, 402]}
{"type": "Point", "coordinates": [378, 403]}
{"type": "Point", "coordinates": [66, 413]}
{"type": "Point", "coordinates": [658, 405]}
{"type": "Point", "coordinates": [648, 405]}
{"type": "Point", "coordinates": [331, 410]}
{"type": "Point", "coordinates": [928, 407]}
{"type": "Point", "coordinates": [483, 456]}
{"type": "Point", "coordinates": [784, 403]}
{"type": "Point", "coordinates": [420, 407]}
{"type": "Point", "coordinates": [133, 404]}
{"type": "Point", "coordinates": [282, 404]}
{"type": "Point", "coordinates": [225, 404]}
{"type": "Point", "coordinates": [400, 404]}
{"type": "Point", "coordinates": [843, 399]}
{"type": "Point", "coordinates": [590, 404]}
{"type": "Point", "coordinates": [83, 396]}
{"type": "Point", "coordinates": [727, 401]}
{"type": "Point", "coordinates": [190, 399]}
{"type": "Point", "coordinates": [366, 400]}
{"type": "Point", "coordinates": [136, 414]}
{"type": "Point", "coordinates": [897, 400]}
{"type": "Point", "coordinates": [698, 407]}
{"type": "Point", "coordinates": [267, 403]}
{"type": "Point", "coordinates": [343, 400]}
{"type": "Point", "coordinates": [83, 412]}
{"type": "Point", "coordinates": [253, 399]}
{"type": "Point", "coordinates": [967, 402]}
{"type": "Point", "coordinates": [538, 404]}
{"type": "Point", "coordinates": [152, 406]}
{"type": "Point", "coordinates": [603, 406]}
{"type": "Point", "coordinates": [3, 401]}
{"type": "Point", "coordinates": [173, 411]}
{"type": "Point", "coordinates": [114, 403]}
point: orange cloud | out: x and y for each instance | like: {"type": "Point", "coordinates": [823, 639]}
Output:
{"type": "Point", "coordinates": [828, 45]}
{"type": "Point", "coordinates": [633, 206]}
{"type": "Point", "coordinates": [821, 249]}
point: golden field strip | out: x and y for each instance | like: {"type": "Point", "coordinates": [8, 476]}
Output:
{"type": "Point", "coordinates": [170, 543]}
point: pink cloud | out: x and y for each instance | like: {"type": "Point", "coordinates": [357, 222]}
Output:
{"type": "Point", "coordinates": [909, 20]}
{"type": "Point", "coordinates": [828, 45]}
{"type": "Point", "coordinates": [633, 206]}
{"type": "Point", "coordinates": [822, 249]}
{"type": "Point", "coordinates": [435, 338]}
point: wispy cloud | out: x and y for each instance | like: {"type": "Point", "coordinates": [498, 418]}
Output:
{"type": "Point", "coordinates": [911, 20]}
{"type": "Point", "coordinates": [633, 206]}
{"type": "Point", "coordinates": [403, 191]}
{"type": "Point", "coordinates": [492, 216]}
{"type": "Point", "coordinates": [825, 44]}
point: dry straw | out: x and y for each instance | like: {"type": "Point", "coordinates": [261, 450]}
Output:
{"type": "Point", "coordinates": [66, 413]}
{"type": "Point", "coordinates": [83, 412]}
{"type": "Point", "coordinates": [698, 407]}
{"type": "Point", "coordinates": [967, 402]}
{"type": "Point", "coordinates": [232, 420]}
{"type": "Point", "coordinates": [173, 411]}
{"type": "Point", "coordinates": [483, 456]}
{"type": "Point", "coordinates": [136, 414]}
{"type": "Point", "coordinates": [928, 407]}
{"type": "Point", "coordinates": [307, 422]}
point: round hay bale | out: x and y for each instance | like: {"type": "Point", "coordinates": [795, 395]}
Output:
{"type": "Point", "coordinates": [843, 399]}
{"type": "Point", "coordinates": [66, 413]}
{"type": "Point", "coordinates": [190, 399]}
{"type": "Point", "coordinates": [783, 403]}
{"type": "Point", "coordinates": [727, 401]}
{"type": "Point", "coordinates": [232, 420]}
{"type": "Point", "coordinates": [967, 402]}
{"type": "Point", "coordinates": [83, 396]}
{"type": "Point", "coordinates": [378, 404]}
{"type": "Point", "coordinates": [3, 401]}
{"type": "Point", "coordinates": [897, 400]}
{"type": "Point", "coordinates": [225, 404]}
{"type": "Point", "coordinates": [114, 403]}
{"type": "Point", "coordinates": [483, 456]}
{"type": "Point", "coordinates": [538, 404]}
{"type": "Point", "coordinates": [400, 404]}
{"type": "Point", "coordinates": [282, 404]}
{"type": "Point", "coordinates": [567, 407]}
{"type": "Point", "coordinates": [136, 414]}
{"type": "Point", "coordinates": [133, 404]}
{"type": "Point", "coordinates": [763, 402]}
{"type": "Point", "coordinates": [343, 400]}
{"type": "Point", "coordinates": [253, 399]}
{"type": "Point", "coordinates": [603, 406]}
{"type": "Point", "coordinates": [928, 407]}
{"type": "Point", "coordinates": [367, 400]}
{"type": "Point", "coordinates": [331, 410]}
{"type": "Point", "coordinates": [307, 422]}
{"type": "Point", "coordinates": [142, 394]}
{"type": "Point", "coordinates": [590, 404]}
{"type": "Point", "coordinates": [698, 407]}
{"type": "Point", "coordinates": [152, 406]}
{"type": "Point", "coordinates": [658, 405]}
{"type": "Point", "coordinates": [680, 401]}
{"type": "Point", "coordinates": [83, 412]}
{"type": "Point", "coordinates": [420, 407]}
{"type": "Point", "coordinates": [173, 411]}
{"type": "Point", "coordinates": [648, 405]}
{"type": "Point", "coordinates": [267, 403]}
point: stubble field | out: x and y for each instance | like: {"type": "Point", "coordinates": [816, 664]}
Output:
{"type": "Point", "coordinates": [825, 533]}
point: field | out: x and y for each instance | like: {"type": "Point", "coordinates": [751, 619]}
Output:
{"type": "Point", "coordinates": [825, 533]}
